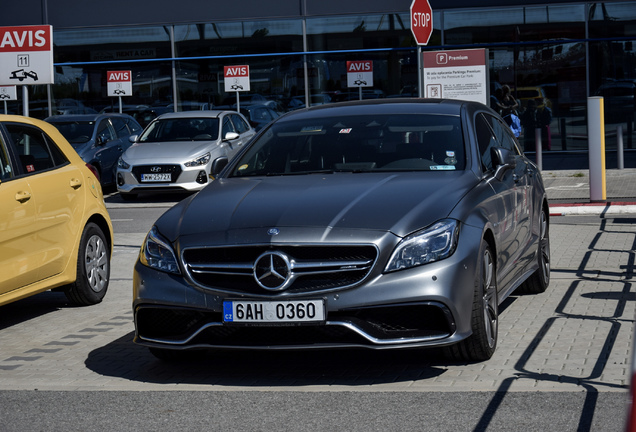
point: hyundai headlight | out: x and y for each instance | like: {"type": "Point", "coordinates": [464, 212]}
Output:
{"type": "Point", "coordinates": [434, 243]}
{"type": "Point", "coordinates": [121, 163]}
{"type": "Point", "coordinates": [157, 253]}
{"type": "Point", "coordinates": [201, 160]}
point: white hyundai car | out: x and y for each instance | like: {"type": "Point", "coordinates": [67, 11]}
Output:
{"type": "Point", "coordinates": [175, 152]}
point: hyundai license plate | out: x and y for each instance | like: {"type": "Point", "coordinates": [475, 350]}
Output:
{"type": "Point", "coordinates": [283, 312]}
{"type": "Point", "coordinates": [156, 177]}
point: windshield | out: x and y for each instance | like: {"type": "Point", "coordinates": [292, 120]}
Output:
{"type": "Point", "coordinates": [182, 129]}
{"type": "Point", "coordinates": [76, 132]}
{"type": "Point", "coordinates": [389, 142]}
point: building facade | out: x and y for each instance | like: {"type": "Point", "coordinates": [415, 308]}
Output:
{"type": "Point", "coordinates": [556, 54]}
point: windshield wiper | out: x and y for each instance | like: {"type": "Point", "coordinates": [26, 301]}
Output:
{"type": "Point", "coordinates": [326, 171]}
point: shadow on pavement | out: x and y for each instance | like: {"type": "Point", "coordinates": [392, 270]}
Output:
{"type": "Point", "coordinates": [123, 359]}
{"type": "Point", "coordinates": [32, 307]}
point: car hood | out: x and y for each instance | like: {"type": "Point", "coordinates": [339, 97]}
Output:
{"type": "Point", "coordinates": [172, 151]}
{"type": "Point", "coordinates": [386, 202]}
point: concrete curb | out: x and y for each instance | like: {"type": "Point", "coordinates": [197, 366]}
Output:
{"type": "Point", "coordinates": [611, 208]}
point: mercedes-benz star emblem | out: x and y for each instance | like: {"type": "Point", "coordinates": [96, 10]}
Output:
{"type": "Point", "coordinates": [272, 271]}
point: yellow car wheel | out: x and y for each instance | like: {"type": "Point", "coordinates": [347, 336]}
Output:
{"type": "Point", "coordinates": [93, 268]}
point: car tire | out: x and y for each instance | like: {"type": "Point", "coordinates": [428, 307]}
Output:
{"type": "Point", "coordinates": [169, 355]}
{"type": "Point", "coordinates": [481, 345]}
{"type": "Point", "coordinates": [128, 196]}
{"type": "Point", "coordinates": [539, 280]}
{"type": "Point", "coordinates": [93, 268]}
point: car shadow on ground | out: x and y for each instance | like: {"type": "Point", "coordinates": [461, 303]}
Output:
{"type": "Point", "coordinates": [236, 368]}
{"type": "Point", "coordinates": [32, 307]}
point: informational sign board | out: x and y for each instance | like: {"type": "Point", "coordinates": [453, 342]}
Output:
{"type": "Point", "coordinates": [119, 83]}
{"type": "Point", "coordinates": [456, 74]}
{"type": "Point", "coordinates": [8, 93]}
{"type": "Point", "coordinates": [360, 73]}
{"type": "Point", "coordinates": [26, 55]}
{"type": "Point", "coordinates": [237, 78]}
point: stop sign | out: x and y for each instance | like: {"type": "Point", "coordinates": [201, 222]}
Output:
{"type": "Point", "coordinates": [421, 21]}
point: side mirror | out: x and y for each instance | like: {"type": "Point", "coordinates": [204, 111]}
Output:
{"type": "Point", "coordinates": [230, 136]}
{"type": "Point", "coordinates": [133, 138]}
{"type": "Point", "coordinates": [502, 159]}
{"type": "Point", "coordinates": [218, 165]}
{"type": "Point", "coordinates": [100, 141]}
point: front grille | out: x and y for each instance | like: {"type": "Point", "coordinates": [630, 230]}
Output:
{"type": "Point", "coordinates": [174, 170]}
{"type": "Point", "coordinates": [315, 267]}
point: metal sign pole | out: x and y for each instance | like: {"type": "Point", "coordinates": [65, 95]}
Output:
{"type": "Point", "coordinates": [25, 101]}
{"type": "Point", "coordinates": [121, 107]}
{"type": "Point", "coordinates": [238, 102]}
{"type": "Point", "coordinates": [420, 72]}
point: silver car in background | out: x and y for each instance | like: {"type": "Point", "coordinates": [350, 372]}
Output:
{"type": "Point", "coordinates": [378, 224]}
{"type": "Point", "coordinates": [175, 152]}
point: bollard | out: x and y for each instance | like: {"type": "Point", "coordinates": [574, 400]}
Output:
{"type": "Point", "coordinates": [538, 146]}
{"type": "Point", "coordinates": [596, 151]}
{"type": "Point", "coordinates": [619, 147]}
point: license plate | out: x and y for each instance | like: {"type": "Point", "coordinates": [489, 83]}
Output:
{"type": "Point", "coordinates": [292, 311]}
{"type": "Point", "coordinates": [156, 177]}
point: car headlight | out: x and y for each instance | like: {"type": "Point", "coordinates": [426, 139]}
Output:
{"type": "Point", "coordinates": [434, 243]}
{"type": "Point", "coordinates": [157, 253]}
{"type": "Point", "coordinates": [201, 160]}
{"type": "Point", "coordinates": [121, 163]}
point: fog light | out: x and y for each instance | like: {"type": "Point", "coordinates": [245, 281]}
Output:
{"type": "Point", "coordinates": [202, 177]}
{"type": "Point", "coordinates": [120, 179]}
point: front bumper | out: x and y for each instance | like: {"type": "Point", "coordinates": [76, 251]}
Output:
{"type": "Point", "coordinates": [189, 180]}
{"type": "Point", "coordinates": [430, 305]}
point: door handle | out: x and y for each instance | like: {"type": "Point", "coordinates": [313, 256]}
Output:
{"type": "Point", "coordinates": [22, 196]}
{"type": "Point", "coordinates": [75, 183]}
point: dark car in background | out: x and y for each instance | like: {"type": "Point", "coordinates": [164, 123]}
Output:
{"type": "Point", "coordinates": [259, 115]}
{"type": "Point", "coordinates": [395, 223]}
{"type": "Point", "coordinates": [99, 139]}
{"type": "Point", "coordinates": [618, 99]}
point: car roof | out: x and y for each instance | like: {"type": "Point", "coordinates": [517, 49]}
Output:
{"type": "Point", "coordinates": [383, 106]}
{"type": "Point", "coordinates": [195, 114]}
{"type": "Point", "coordinates": [85, 117]}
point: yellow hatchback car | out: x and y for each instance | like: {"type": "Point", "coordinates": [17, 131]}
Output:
{"type": "Point", "coordinates": [55, 231]}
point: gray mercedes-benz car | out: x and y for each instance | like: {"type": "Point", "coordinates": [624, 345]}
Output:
{"type": "Point", "coordinates": [175, 151]}
{"type": "Point", "coordinates": [376, 224]}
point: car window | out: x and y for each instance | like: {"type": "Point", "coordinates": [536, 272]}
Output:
{"type": "Point", "coordinates": [35, 150]}
{"type": "Point", "coordinates": [262, 114]}
{"type": "Point", "coordinates": [75, 132]}
{"type": "Point", "coordinates": [6, 171]}
{"type": "Point", "coordinates": [104, 132]}
{"type": "Point", "coordinates": [227, 126]}
{"type": "Point", "coordinates": [181, 129]}
{"type": "Point", "coordinates": [486, 140]}
{"type": "Point", "coordinates": [385, 142]}
{"type": "Point", "coordinates": [240, 124]}
{"type": "Point", "coordinates": [503, 134]}
{"type": "Point", "coordinates": [133, 126]}
{"type": "Point", "coordinates": [121, 129]}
